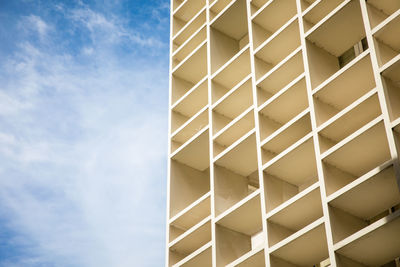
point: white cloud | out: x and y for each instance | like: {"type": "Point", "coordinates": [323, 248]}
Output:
{"type": "Point", "coordinates": [99, 25]}
{"type": "Point", "coordinates": [37, 24]}
{"type": "Point", "coordinates": [83, 150]}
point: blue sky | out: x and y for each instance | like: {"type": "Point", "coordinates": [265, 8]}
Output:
{"type": "Point", "coordinates": [83, 123]}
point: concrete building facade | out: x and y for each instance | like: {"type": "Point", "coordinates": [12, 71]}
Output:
{"type": "Point", "coordinates": [284, 133]}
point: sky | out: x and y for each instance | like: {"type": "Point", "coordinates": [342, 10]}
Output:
{"type": "Point", "coordinates": [83, 132]}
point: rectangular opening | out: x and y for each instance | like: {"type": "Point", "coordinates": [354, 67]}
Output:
{"type": "Point", "coordinates": [217, 6]}
{"type": "Point", "coordinates": [231, 75]}
{"type": "Point", "coordinates": [366, 151]}
{"type": "Point", "coordinates": [189, 72]}
{"type": "Point", "coordinates": [237, 230]}
{"type": "Point", "coordinates": [308, 249]}
{"type": "Point", "coordinates": [379, 10]}
{"type": "Point", "coordinates": [387, 41]}
{"type": "Point", "coordinates": [359, 250]}
{"type": "Point", "coordinates": [391, 84]}
{"type": "Point", "coordinates": [202, 258]}
{"type": "Point", "coordinates": [176, 4]}
{"type": "Point", "coordinates": [190, 216]}
{"type": "Point", "coordinates": [289, 174]}
{"type": "Point", "coordinates": [271, 18]}
{"type": "Point", "coordinates": [326, 44]}
{"type": "Point", "coordinates": [358, 207]}
{"type": "Point", "coordinates": [349, 122]}
{"type": "Point", "coordinates": [230, 187]}
{"type": "Point", "coordinates": [241, 157]}
{"type": "Point", "coordinates": [185, 12]}
{"type": "Point", "coordinates": [254, 258]}
{"type": "Point", "coordinates": [257, 4]}
{"type": "Point", "coordinates": [288, 220]}
{"type": "Point", "coordinates": [228, 34]}
{"type": "Point", "coordinates": [189, 129]}
{"type": "Point", "coordinates": [280, 76]}
{"type": "Point", "coordinates": [286, 136]}
{"type": "Point", "coordinates": [337, 93]}
{"type": "Point", "coordinates": [188, 243]}
{"type": "Point", "coordinates": [189, 46]}
{"type": "Point", "coordinates": [195, 152]}
{"type": "Point", "coordinates": [318, 10]}
{"type": "Point", "coordinates": [277, 47]}
{"type": "Point", "coordinates": [232, 105]}
{"type": "Point", "coordinates": [190, 28]}
{"type": "Point", "coordinates": [187, 185]}
{"type": "Point", "coordinates": [282, 108]}
{"type": "Point", "coordinates": [233, 131]}
{"type": "Point", "coordinates": [189, 105]}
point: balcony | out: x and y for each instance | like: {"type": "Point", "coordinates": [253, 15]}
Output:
{"type": "Point", "coordinates": [183, 14]}
{"type": "Point", "coordinates": [332, 39]}
{"type": "Point", "coordinates": [387, 40]}
{"type": "Point", "coordinates": [277, 47]}
{"type": "Point", "coordinates": [290, 173]}
{"type": "Point", "coordinates": [228, 34]}
{"type": "Point", "coordinates": [239, 230]}
{"type": "Point", "coordinates": [354, 156]}
{"type": "Point", "coordinates": [343, 88]}
{"type": "Point", "coordinates": [270, 18]}
{"type": "Point", "coordinates": [315, 11]}
{"type": "Point", "coordinates": [379, 11]}
{"type": "Point", "coordinates": [188, 73]}
{"type": "Point", "coordinates": [391, 84]}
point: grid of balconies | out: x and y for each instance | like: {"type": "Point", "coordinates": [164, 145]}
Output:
{"type": "Point", "coordinates": [284, 133]}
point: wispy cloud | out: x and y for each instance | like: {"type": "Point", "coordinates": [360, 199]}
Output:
{"type": "Point", "coordinates": [82, 144]}
{"type": "Point", "coordinates": [36, 24]}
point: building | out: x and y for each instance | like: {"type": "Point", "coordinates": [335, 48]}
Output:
{"type": "Point", "coordinates": [284, 133]}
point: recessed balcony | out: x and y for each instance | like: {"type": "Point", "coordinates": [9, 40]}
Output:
{"type": "Point", "coordinates": [189, 217]}
{"type": "Point", "coordinates": [280, 76]}
{"type": "Point", "coordinates": [190, 104]}
{"type": "Point", "coordinates": [355, 156]}
{"type": "Point", "coordinates": [391, 83]}
{"type": "Point", "coordinates": [293, 216]}
{"type": "Point", "coordinates": [183, 14]}
{"type": "Point", "coordinates": [228, 34]}
{"type": "Point", "coordinates": [290, 173]}
{"type": "Point", "coordinates": [189, 72]}
{"type": "Point", "coordinates": [270, 18]}
{"type": "Point", "coordinates": [345, 123]}
{"type": "Point", "coordinates": [239, 230]}
{"type": "Point", "coordinates": [285, 136]}
{"type": "Point", "coordinates": [343, 88]}
{"type": "Point", "coordinates": [387, 40]}
{"type": "Point", "coordinates": [355, 206]}
{"type": "Point", "coordinates": [315, 11]}
{"type": "Point", "coordinates": [307, 247]}
{"type": "Point", "coordinates": [201, 257]}
{"type": "Point", "coordinates": [231, 105]}
{"type": "Point", "coordinates": [282, 107]}
{"type": "Point", "coordinates": [253, 258]}
{"type": "Point", "coordinates": [379, 11]}
{"type": "Point", "coordinates": [232, 75]}
{"type": "Point", "coordinates": [376, 245]}
{"type": "Point", "coordinates": [189, 30]}
{"type": "Point", "coordinates": [190, 242]}
{"type": "Point", "coordinates": [194, 183]}
{"type": "Point", "coordinates": [277, 47]}
{"type": "Point", "coordinates": [334, 41]}
{"type": "Point", "coordinates": [219, 6]}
